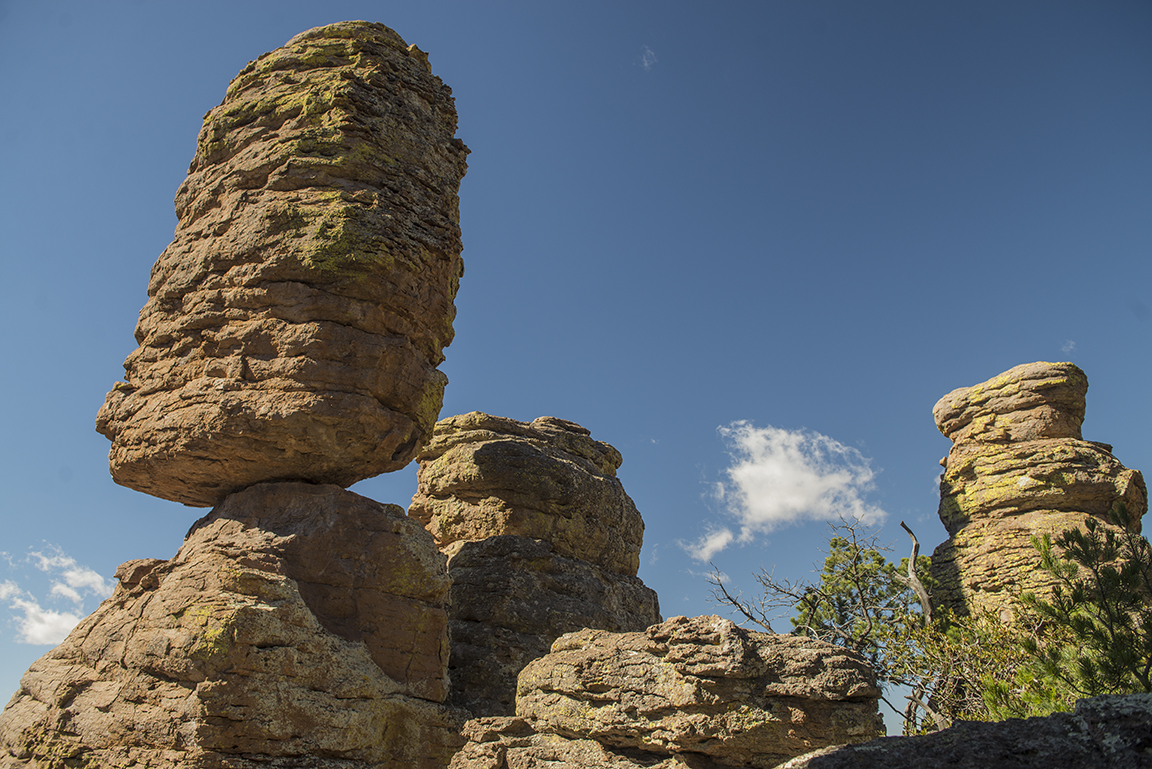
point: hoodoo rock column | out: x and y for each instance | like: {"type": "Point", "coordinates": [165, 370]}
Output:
{"type": "Point", "coordinates": [1019, 468]}
{"type": "Point", "coordinates": [295, 324]}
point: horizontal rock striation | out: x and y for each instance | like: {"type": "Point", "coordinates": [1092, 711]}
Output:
{"type": "Point", "coordinates": [295, 324]}
{"type": "Point", "coordinates": [542, 540]}
{"type": "Point", "coordinates": [483, 476]}
{"type": "Point", "coordinates": [693, 692]}
{"type": "Point", "coordinates": [1019, 468]}
{"type": "Point", "coordinates": [511, 597]}
{"type": "Point", "coordinates": [297, 625]}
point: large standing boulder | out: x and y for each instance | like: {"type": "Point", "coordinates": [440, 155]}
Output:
{"type": "Point", "coordinates": [541, 541]}
{"type": "Point", "coordinates": [1019, 468]}
{"type": "Point", "coordinates": [294, 326]}
{"type": "Point", "coordinates": [692, 692]}
{"type": "Point", "coordinates": [296, 623]}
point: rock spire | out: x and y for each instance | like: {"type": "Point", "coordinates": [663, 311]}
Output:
{"type": "Point", "coordinates": [294, 326]}
{"type": "Point", "coordinates": [1018, 468]}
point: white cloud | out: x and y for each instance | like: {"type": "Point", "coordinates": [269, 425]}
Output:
{"type": "Point", "coordinates": [708, 545]}
{"type": "Point", "coordinates": [64, 591]}
{"type": "Point", "coordinates": [648, 58]}
{"type": "Point", "coordinates": [76, 578]}
{"type": "Point", "coordinates": [787, 476]}
{"type": "Point", "coordinates": [8, 589]}
{"type": "Point", "coordinates": [38, 625]}
{"type": "Point", "coordinates": [1068, 346]}
{"type": "Point", "coordinates": [42, 626]}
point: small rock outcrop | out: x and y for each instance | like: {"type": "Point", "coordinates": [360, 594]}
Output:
{"type": "Point", "coordinates": [689, 692]}
{"type": "Point", "coordinates": [1112, 731]}
{"type": "Point", "coordinates": [541, 540]}
{"type": "Point", "coordinates": [1019, 468]}
{"type": "Point", "coordinates": [297, 622]}
{"type": "Point", "coordinates": [294, 326]}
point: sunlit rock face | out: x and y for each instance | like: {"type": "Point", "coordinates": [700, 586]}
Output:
{"type": "Point", "coordinates": [485, 475]}
{"type": "Point", "coordinates": [541, 540]}
{"type": "Point", "coordinates": [295, 324]}
{"type": "Point", "coordinates": [1019, 468]}
{"type": "Point", "coordinates": [298, 625]}
{"type": "Point", "coordinates": [689, 692]}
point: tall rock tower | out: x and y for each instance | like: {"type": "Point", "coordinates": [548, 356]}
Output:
{"type": "Point", "coordinates": [294, 325]}
{"type": "Point", "coordinates": [1018, 468]}
{"type": "Point", "coordinates": [289, 348]}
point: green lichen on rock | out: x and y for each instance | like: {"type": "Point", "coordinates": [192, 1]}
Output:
{"type": "Point", "coordinates": [1019, 468]}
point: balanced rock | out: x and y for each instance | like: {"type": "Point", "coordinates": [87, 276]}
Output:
{"type": "Point", "coordinates": [1036, 400]}
{"type": "Point", "coordinates": [295, 324]}
{"type": "Point", "coordinates": [1018, 468]}
{"type": "Point", "coordinates": [483, 476]}
{"type": "Point", "coordinates": [511, 598]}
{"type": "Point", "coordinates": [296, 623]}
{"type": "Point", "coordinates": [1103, 732]}
{"type": "Point", "coordinates": [694, 692]}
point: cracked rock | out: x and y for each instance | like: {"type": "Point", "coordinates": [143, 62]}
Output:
{"type": "Point", "coordinates": [694, 692]}
{"type": "Point", "coordinates": [297, 623]}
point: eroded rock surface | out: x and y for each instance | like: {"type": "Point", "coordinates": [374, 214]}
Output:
{"type": "Point", "coordinates": [1113, 731]}
{"type": "Point", "coordinates": [1018, 468]}
{"type": "Point", "coordinates": [693, 692]}
{"type": "Point", "coordinates": [483, 476]}
{"type": "Point", "coordinates": [512, 597]}
{"type": "Point", "coordinates": [295, 324]}
{"type": "Point", "coordinates": [296, 623]}
{"type": "Point", "coordinates": [542, 540]}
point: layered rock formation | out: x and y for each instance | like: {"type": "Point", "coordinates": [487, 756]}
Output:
{"type": "Point", "coordinates": [296, 622]}
{"type": "Point", "coordinates": [542, 540]}
{"type": "Point", "coordinates": [1108, 731]}
{"type": "Point", "coordinates": [689, 692]}
{"type": "Point", "coordinates": [295, 324]}
{"type": "Point", "coordinates": [1018, 468]}
{"type": "Point", "coordinates": [547, 479]}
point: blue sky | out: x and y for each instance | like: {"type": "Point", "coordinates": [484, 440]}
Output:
{"type": "Point", "coordinates": [750, 244]}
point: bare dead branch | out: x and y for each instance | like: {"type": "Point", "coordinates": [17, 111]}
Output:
{"type": "Point", "coordinates": [913, 581]}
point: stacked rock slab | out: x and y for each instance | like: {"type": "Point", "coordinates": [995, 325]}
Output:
{"type": "Point", "coordinates": [297, 625]}
{"type": "Point", "coordinates": [295, 324]}
{"type": "Point", "coordinates": [699, 693]}
{"type": "Point", "coordinates": [542, 540]}
{"type": "Point", "coordinates": [1019, 468]}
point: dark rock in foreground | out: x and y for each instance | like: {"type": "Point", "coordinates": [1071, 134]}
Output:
{"type": "Point", "coordinates": [1110, 732]}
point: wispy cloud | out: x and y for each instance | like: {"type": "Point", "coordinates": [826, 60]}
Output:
{"type": "Point", "coordinates": [781, 477]}
{"type": "Point", "coordinates": [648, 58]}
{"type": "Point", "coordinates": [36, 624]}
{"type": "Point", "coordinates": [76, 578]}
{"type": "Point", "coordinates": [1068, 346]}
{"type": "Point", "coordinates": [710, 544]}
